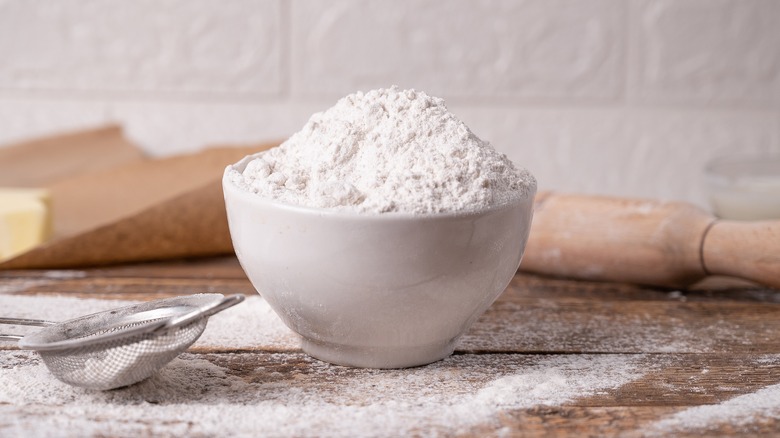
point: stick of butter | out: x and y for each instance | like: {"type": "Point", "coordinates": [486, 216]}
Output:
{"type": "Point", "coordinates": [25, 220]}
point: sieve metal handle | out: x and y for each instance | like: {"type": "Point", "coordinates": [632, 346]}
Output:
{"type": "Point", "coordinates": [203, 312]}
{"type": "Point", "coordinates": [21, 321]}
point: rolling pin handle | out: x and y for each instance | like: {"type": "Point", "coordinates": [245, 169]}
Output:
{"type": "Point", "coordinates": [748, 250]}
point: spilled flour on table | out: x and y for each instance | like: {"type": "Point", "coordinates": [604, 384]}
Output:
{"type": "Point", "coordinates": [281, 391]}
{"type": "Point", "coordinates": [16, 285]}
{"type": "Point", "coordinates": [195, 396]}
{"type": "Point", "coordinates": [55, 308]}
{"type": "Point", "coordinates": [738, 411]}
{"type": "Point", "coordinates": [590, 331]}
{"type": "Point", "coordinates": [246, 326]}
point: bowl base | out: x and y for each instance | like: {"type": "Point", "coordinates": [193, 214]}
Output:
{"type": "Point", "coordinates": [374, 357]}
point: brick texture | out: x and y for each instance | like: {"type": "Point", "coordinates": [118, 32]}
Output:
{"type": "Point", "coordinates": [560, 49]}
{"type": "Point", "coordinates": [184, 46]}
{"type": "Point", "coordinates": [600, 96]}
{"type": "Point", "coordinates": [702, 51]}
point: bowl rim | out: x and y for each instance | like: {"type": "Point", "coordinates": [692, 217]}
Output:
{"type": "Point", "coordinates": [231, 188]}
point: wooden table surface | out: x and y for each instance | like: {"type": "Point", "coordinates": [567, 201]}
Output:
{"type": "Point", "coordinates": [705, 360]}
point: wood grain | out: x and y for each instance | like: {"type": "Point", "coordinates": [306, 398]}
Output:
{"type": "Point", "coordinates": [672, 380]}
{"type": "Point", "coordinates": [695, 347]}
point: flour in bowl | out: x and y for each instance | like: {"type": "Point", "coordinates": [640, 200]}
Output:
{"type": "Point", "coordinates": [386, 150]}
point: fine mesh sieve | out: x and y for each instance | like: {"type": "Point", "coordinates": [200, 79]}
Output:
{"type": "Point", "coordinates": [119, 347]}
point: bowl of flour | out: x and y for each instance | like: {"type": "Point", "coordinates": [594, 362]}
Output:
{"type": "Point", "coordinates": [381, 230]}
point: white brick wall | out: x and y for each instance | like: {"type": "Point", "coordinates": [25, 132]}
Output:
{"type": "Point", "coordinates": [602, 96]}
{"type": "Point", "coordinates": [493, 51]}
{"type": "Point", "coordinates": [705, 52]}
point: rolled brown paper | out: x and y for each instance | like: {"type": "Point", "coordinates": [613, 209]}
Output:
{"type": "Point", "coordinates": [140, 210]}
{"type": "Point", "coordinates": [672, 244]}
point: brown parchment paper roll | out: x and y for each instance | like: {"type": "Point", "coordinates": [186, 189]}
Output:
{"type": "Point", "coordinates": [39, 162]}
{"type": "Point", "coordinates": [140, 210]}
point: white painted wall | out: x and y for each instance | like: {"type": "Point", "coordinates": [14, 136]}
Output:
{"type": "Point", "coordinates": [602, 96]}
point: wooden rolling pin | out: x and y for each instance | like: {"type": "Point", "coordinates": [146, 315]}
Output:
{"type": "Point", "coordinates": [647, 242]}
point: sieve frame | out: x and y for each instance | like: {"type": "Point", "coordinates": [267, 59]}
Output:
{"type": "Point", "coordinates": [201, 306]}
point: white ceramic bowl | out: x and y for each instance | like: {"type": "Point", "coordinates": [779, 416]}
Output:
{"type": "Point", "coordinates": [378, 290]}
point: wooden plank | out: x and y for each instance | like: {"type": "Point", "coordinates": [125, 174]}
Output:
{"type": "Point", "coordinates": [128, 288]}
{"type": "Point", "coordinates": [533, 315]}
{"type": "Point", "coordinates": [576, 421]}
{"type": "Point", "coordinates": [527, 285]}
{"type": "Point", "coordinates": [716, 289]}
{"type": "Point", "coordinates": [673, 384]}
{"type": "Point", "coordinates": [226, 267]}
{"type": "Point", "coordinates": [701, 347]}
{"type": "Point", "coordinates": [662, 386]}
{"type": "Point", "coordinates": [669, 379]}
{"type": "Point", "coordinates": [595, 326]}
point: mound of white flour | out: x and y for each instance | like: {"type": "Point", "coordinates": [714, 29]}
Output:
{"type": "Point", "coordinates": [386, 150]}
